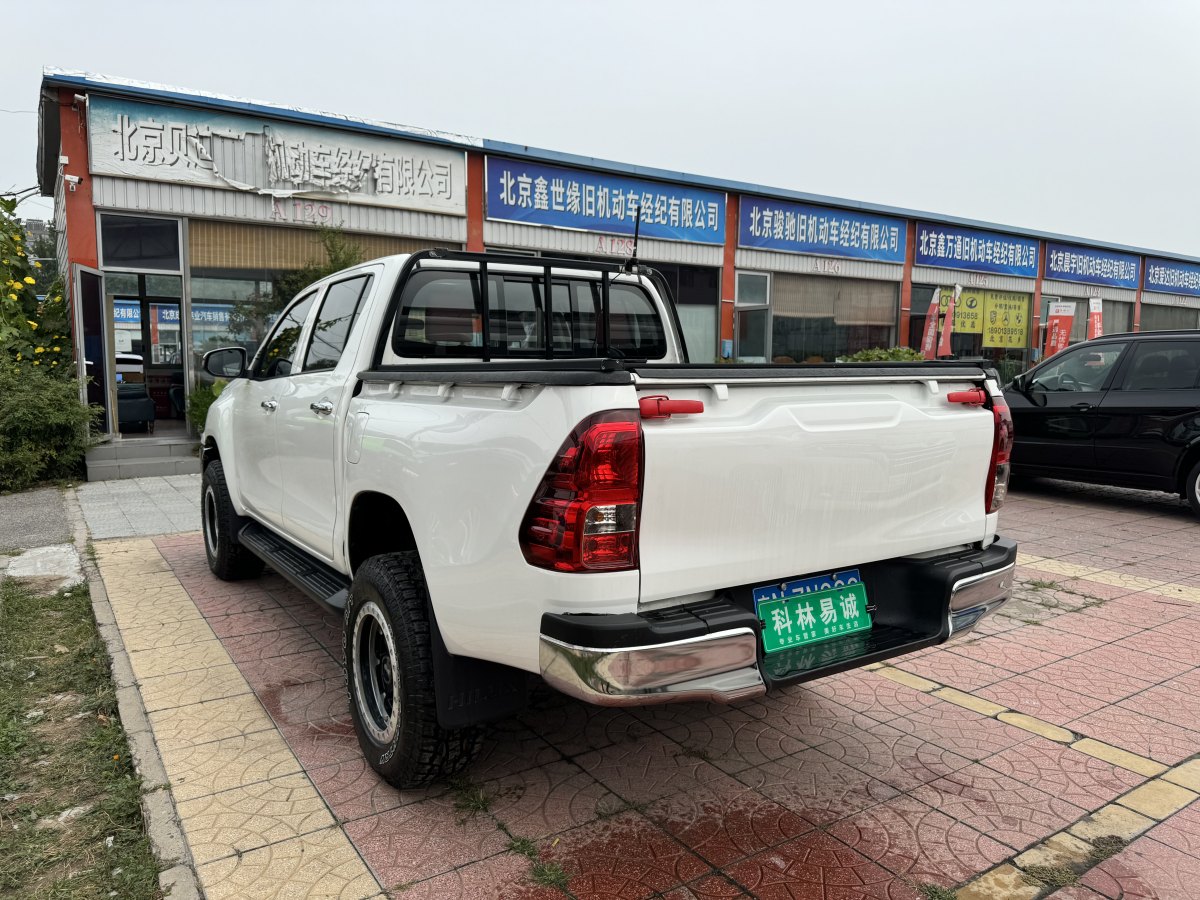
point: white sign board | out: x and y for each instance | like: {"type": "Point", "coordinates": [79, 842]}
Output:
{"type": "Point", "coordinates": [281, 160]}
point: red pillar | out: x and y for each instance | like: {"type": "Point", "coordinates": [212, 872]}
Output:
{"type": "Point", "coordinates": [1035, 318]}
{"type": "Point", "coordinates": [475, 201]}
{"type": "Point", "coordinates": [910, 255]}
{"type": "Point", "coordinates": [1137, 300]}
{"type": "Point", "coordinates": [728, 266]}
{"type": "Point", "coordinates": [80, 213]}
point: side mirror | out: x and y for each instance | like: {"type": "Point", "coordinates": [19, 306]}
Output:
{"type": "Point", "coordinates": [226, 362]}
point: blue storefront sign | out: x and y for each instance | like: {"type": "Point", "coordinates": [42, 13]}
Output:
{"type": "Point", "coordinates": [952, 247]}
{"type": "Point", "coordinates": [208, 314]}
{"type": "Point", "coordinates": [801, 228]}
{"type": "Point", "coordinates": [1166, 276]}
{"type": "Point", "coordinates": [1087, 265]}
{"type": "Point", "coordinates": [537, 194]}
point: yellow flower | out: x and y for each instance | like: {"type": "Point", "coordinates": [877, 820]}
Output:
{"type": "Point", "coordinates": [32, 325]}
{"type": "Point", "coordinates": [17, 238]}
{"type": "Point", "coordinates": [40, 350]}
{"type": "Point", "coordinates": [12, 296]}
{"type": "Point", "coordinates": [37, 362]}
{"type": "Point", "coordinates": [18, 357]}
{"type": "Point", "coordinates": [56, 349]}
{"type": "Point", "coordinates": [29, 280]}
{"type": "Point", "coordinates": [36, 264]}
{"type": "Point", "coordinates": [20, 253]}
{"type": "Point", "coordinates": [55, 363]}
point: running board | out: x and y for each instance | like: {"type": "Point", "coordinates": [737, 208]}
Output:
{"type": "Point", "coordinates": [325, 585]}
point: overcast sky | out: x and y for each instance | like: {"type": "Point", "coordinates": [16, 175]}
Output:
{"type": "Point", "coordinates": [1059, 115]}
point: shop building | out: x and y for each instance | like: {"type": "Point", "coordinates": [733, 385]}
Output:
{"type": "Point", "coordinates": [177, 211]}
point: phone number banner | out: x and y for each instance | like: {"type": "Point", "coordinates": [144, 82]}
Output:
{"type": "Point", "coordinates": [537, 194]}
{"type": "Point", "coordinates": [1167, 277]}
{"type": "Point", "coordinates": [801, 228]}
{"type": "Point", "coordinates": [952, 247]}
{"type": "Point", "coordinates": [1087, 266]}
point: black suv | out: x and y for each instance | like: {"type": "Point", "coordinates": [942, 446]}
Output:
{"type": "Point", "coordinates": [1123, 410]}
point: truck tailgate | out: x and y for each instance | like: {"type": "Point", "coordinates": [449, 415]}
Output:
{"type": "Point", "coordinates": [796, 475]}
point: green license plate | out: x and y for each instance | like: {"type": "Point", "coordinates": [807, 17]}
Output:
{"type": "Point", "coordinates": [810, 618]}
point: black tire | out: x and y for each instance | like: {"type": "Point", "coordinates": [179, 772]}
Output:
{"type": "Point", "coordinates": [389, 677]}
{"type": "Point", "coordinates": [220, 524]}
{"type": "Point", "coordinates": [1191, 488]}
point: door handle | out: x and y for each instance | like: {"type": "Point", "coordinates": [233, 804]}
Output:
{"type": "Point", "coordinates": [323, 408]}
{"type": "Point", "coordinates": [1081, 407]}
{"type": "Point", "coordinates": [269, 405]}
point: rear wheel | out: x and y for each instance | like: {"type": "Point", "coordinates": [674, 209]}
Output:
{"type": "Point", "coordinates": [220, 523]}
{"type": "Point", "coordinates": [389, 677]}
{"type": "Point", "coordinates": [1191, 488]}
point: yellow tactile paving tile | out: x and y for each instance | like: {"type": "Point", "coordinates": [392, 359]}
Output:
{"type": "Point", "coordinates": [185, 688]}
{"type": "Point", "coordinates": [166, 636]}
{"type": "Point", "coordinates": [253, 816]}
{"type": "Point", "coordinates": [214, 720]}
{"type": "Point", "coordinates": [199, 770]}
{"type": "Point", "coordinates": [322, 864]}
{"type": "Point", "coordinates": [907, 678]}
{"type": "Point", "coordinates": [1057, 850]}
{"type": "Point", "coordinates": [189, 657]}
{"type": "Point", "coordinates": [1177, 591]}
{"type": "Point", "coordinates": [969, 701]}
{"type": "Point", "coordinates": [159, 607]}
{"type": "Point", "coordinates": [1158, 799]}
{"type": "Point", "coordinates": [1111, 820]}
{"type": "Point", "coordinates": [1124, 579]}
{"type": "Point", "coordinates": [1028, 559]}
{"type": "Point", "coordinates": [1119, 757]}
{"type": "Point", "coordinates": [1070, 570]}
{"type": "Point", "coordinates": [1007, 882]}
{"type": "Point", "coordinates": [1038, 726]}
{"type": "Point", "coordinates": [1186, 775]}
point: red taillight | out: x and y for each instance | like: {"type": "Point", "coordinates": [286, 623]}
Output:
{"type": "Point", "coordinates": [1002, 442]}
{"type": "Point", "coordinates": [584, 515]}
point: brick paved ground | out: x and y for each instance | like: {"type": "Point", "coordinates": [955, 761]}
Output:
{"type": "Point", "coordinates": [1073, 718]}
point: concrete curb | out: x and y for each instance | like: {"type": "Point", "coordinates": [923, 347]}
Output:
{"type": "Point", "coordinates": [178, 881]}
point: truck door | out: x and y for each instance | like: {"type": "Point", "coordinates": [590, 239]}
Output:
{"type": "Point", "coordinates": [310, 417]}
{"type": "Point", "coordinates": [257, 407]}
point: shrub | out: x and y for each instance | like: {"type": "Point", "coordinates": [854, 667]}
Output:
{"type": "Point", "coordinates": [34, 333]}
{"type": "Point", "coordinates": [44, 428]}
{"type": "Point", "coordinates": [199, 402]}
{"type": "Point", "coordinates": [884, 354]}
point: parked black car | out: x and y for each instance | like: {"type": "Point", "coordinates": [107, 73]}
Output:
{"type": "Point", "coordinates": [1123, 410]}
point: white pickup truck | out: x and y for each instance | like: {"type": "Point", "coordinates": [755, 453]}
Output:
{"type": "Point", "coordinates": [499, 466]}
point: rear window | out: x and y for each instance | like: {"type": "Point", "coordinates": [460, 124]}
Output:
{"type": "Point", "coordinates": [1163, 366]}
{"type": "Point", "coordinates": [441, 315]}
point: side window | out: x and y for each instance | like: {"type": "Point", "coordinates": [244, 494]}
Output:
{"type": "Point", "coordinates": [278, 355]}
{"type": "Point", "coordinates": [1081, 368]}
{"type": "Point", "coordinates": [1163, 366]}
{"type": "Point", "coordinates": [439, 316]}
{"type": "Point", "coordinates": [334, 322]}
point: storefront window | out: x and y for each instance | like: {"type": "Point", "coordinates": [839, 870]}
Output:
{"type": "Point", "coordinates": [697, 294]}
{"type": "Point", "coordinates": [753, 292]}
{"type": "Point", "coordinates": [230, 311]}
{"type": "Point", "coordinates": [817, 319]}
{"type": "Point", "coordinates": [1168, 318]}
{"type": "Point", "coordinates": [988, 325]}
{"type": "Point", "coordinates": [138, 242]}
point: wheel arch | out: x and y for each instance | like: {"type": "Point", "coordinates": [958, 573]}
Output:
{"type": "Point", "coordinates": [364, 536]}
{"type": "Point", "coordinates": [1187, 459]}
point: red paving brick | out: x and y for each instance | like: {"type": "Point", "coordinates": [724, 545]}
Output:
{"type": "Point", "coordinates": [1064, 773]}
{"type": "Point", "coordinates": [918, 842]}
{"type": "Point", "coordinates": [1146, 870]}
{"type": "Point", "coordinates": [817, 866]}
{"type": "Point", "coordinates": [1043, 699]}
{"type": "Point", "coordinates": [1139, 733]}
{"type": "Point", "coordinates": [1001, 807]}
{"type": "Point", "coordinates": [626, 856]}
{"type": "Point", "coordinates": [853, 786]}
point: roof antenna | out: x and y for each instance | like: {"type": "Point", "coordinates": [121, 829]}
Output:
{"type": "Point", "coordinates": [631, 264]}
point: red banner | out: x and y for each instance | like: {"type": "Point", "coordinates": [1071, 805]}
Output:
{"type": "Point", "coordinates": [948, 324]}
{"type": "Point", "coordinates": [1095, 318]}
{"type": "Point", "coordinates": [929, 339]}
{"type": "Point", "coordinates": [1058, 326]}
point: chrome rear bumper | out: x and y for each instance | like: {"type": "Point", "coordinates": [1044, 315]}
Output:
{"type": "Point", "coordinates": [973, 598]}
{"type": "Point", "coordinates": [721, 667]}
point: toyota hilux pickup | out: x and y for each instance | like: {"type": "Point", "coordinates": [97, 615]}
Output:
{"type": "Point", "coordinates": [499, 467]}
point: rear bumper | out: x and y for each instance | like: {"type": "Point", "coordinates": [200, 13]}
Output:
{"type": "Point", "coordinates": [712, 651]}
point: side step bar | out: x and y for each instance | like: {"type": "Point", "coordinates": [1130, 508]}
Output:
{"type": "Point", "coordinates": [328, 587]}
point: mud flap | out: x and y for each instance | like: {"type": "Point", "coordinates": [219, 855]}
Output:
{"type": "Point", "coordinates": [473, 691]}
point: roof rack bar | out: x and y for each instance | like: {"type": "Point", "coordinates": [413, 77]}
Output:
{"type": "Point", "coordinates": [518, 260]}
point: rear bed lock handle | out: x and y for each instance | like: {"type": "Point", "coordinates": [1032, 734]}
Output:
{"type": "Point", "coordinates": [971, 397]}
{"type": "Point", "coordinates": [662, 407]}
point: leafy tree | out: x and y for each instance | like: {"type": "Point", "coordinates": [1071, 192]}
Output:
{"type": "Point", "coordinates": [34, 334]}
{"type": "Point", "coordinates": [252, 317]}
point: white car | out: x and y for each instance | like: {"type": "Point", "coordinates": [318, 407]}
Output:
{"type": "Point", "coordinates": [493, 487]}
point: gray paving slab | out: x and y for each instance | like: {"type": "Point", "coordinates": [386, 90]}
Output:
{"type": "Point", "coordinates": [35, 518]}
{"type": "Point", "coordinates": [157, 504]}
